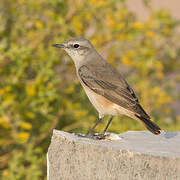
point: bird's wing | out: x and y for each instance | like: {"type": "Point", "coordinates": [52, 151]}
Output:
{"type": "Point", "coordinates": [108, 82]}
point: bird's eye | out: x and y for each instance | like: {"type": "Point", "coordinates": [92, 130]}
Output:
{"type": "Point", "coordinates": [76, 45]}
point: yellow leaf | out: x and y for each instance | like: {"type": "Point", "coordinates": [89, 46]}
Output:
{"type": "Point", "coordinates": [9, 99]}
{"type": "Point", "coordinates": [120, 36]}
{"type": "Point", "coordinates": [98, 3]}
{"type": "Point", "coordinates": [8, 88]}
{"type": "Point", "coordinates": [30, 115]}
{"type": "Point", "coordinates": [38, 25]}
{"type": "Point", "coordinates": [110, 20]}
{"type": "Point", "coordinates": [30, 89]}
{"type": "Point", "coordinates": [138, 25]}
{"type": "Point", "coordinates": [158, 65]}
{"type": "Point", "coordinates": [25, 125]}
{"type": "Point", "coordinates": [23, 137]}
{"type": "Point", "coordinates": [178, 118]}
{"type": "Point", "coordinates": [120, 26]}
{"type": "Point", "coordinates": [159, 75]}
{"type": "Point", "coordinates": [69, 90]}
{"type": "Point", "coordinates": [77, 24]}
{"type": "Point", "coordinates": [166, 110]}
{"type": "Point", "coordinates": [3, 123]}
{"type": "Point", "coordinates": [131, 53]}
{"type": "Point", "coordinates": [20, 1]}
{"type": "Point", "coordinates": [150, 34]}
{"type": "Point", "coordinates": [166, 31]}
{"type": "Point", "coordinates": [80, 114]}
{"type": "Point", "coordinates": [5, 173]}
{"type": "Point", "coordinates": [126, 61]}
{"type": "Point", "coordinates": [1, 91]}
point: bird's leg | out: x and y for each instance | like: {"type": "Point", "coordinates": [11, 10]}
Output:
{"type": "Point", "coordinates": [111, 118]}
{"type": "Point", "coordinates": [102, 134]}
{"type": "Point", "coordinates": [90, 133]}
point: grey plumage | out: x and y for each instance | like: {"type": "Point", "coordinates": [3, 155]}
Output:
{"type": "Point", "coordinates": [99, 77]}
{"type": "Point", "coordinates": [111, 85]}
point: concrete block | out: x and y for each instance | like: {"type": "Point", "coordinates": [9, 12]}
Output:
{"type": "Point", "coordinates": [139, 155]}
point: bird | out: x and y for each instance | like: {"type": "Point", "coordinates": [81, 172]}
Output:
{"type": "Point", "coordinates": [106, 88]}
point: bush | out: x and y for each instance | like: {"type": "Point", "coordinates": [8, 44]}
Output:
{"type": "Point", "coordinates": [38, 88]}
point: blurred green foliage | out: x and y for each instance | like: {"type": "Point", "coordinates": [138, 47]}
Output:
{"type": "Point", "coordinates": [38, 87]}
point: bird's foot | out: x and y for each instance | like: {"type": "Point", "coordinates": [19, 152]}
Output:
{"type": "Point", "coordinates": [95, 136]}
{"type": "Point", "coordinates": [99, 136]}
{"type": "Point", "coordinates": [80, 135]}
{"type": "Point", "coordinates": [90, 135]}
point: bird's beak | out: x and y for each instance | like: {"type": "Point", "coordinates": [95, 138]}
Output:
{"type": "Point", "coordinates": [58, 45]}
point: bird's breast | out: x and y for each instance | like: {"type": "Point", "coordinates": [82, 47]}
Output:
{"type": "Point", "coordinates": [102, 105]}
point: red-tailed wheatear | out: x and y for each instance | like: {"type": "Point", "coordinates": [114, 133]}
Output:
{"type": "Point", "coordinates": [105, 87]}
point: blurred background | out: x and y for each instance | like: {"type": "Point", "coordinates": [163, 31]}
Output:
{"type": "Point", "coordinates": [39, 90]}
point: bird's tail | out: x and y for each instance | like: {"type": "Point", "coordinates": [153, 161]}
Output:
{"type": "Point", "coordinates": [149, 125]}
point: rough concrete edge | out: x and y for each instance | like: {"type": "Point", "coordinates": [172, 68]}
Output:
{"type": "Point", "coordinates": [62, 133]}
{"type": "Point", "coordinates": [55, 132]}
{"type": "Point", "coordinates": [73, 137]}
{"type": "Point", "coordinates": [47, 159]}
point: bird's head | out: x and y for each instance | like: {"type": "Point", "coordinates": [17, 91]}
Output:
{"type": "Point", "coordinates": [78, 49]}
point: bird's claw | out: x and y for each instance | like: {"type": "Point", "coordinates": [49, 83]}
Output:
{"type": "Point", "coordinates": [95, 136]}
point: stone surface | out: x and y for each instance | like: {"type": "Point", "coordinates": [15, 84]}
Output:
{"type": "Point", "coordinates": [137, 155]}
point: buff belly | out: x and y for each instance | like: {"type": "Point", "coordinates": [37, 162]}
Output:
{"type": "Point", "coordinates": [103, 105]}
